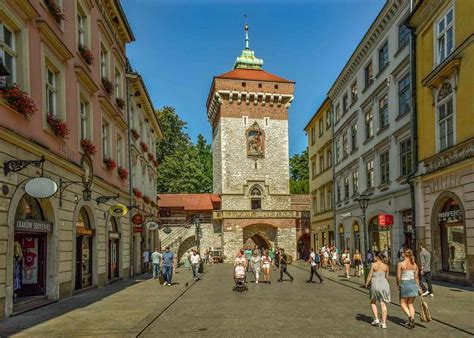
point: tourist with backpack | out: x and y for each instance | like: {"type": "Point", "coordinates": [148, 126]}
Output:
{"type": "Point", "coordinates": [314, 261]}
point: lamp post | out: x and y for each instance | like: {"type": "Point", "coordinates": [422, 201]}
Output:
{"type": "Point", "coordinates": [363, 200]}
{"type": "Point", "coordinates": [197, 225]}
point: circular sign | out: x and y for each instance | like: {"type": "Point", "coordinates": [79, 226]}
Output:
{"type": "Point", "coordinates": [167, 230]}
{"type": "Point", "coordinates": [152, 225]}
{"type": "Point", "coordinates": [118, 210]}
{"type": "Point", "coordinates": [137, 219]}
{"type": "Point", "coordinates": [41, 187]}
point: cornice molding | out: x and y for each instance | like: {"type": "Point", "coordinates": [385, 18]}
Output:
{"type": "Point", "coordinates": [57, 46]}
{"type": "Point", "coordinates": [28, 10]}
{"type": "Point", "coordinates": [112, 112]}
{"type": "Point", "coordinates": [85, 79]}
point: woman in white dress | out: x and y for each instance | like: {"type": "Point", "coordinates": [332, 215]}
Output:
{"type": "Point", "coordinates": [266, 264]}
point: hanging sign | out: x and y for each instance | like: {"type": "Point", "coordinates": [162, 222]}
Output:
{"type": "Point", "coordinates": [137, 219]}
{"type": "Point", "coordinates": [167, 230]}
{"type": "Point", "coordinates": [114, 235]}
{"type": "Point", "coordinates": [41, 187]}
{"type": "Point", "coordinates": [137, 229]}
{"type": "Point", "coordinates": [152, 225]}
{"type": "Point", "coordinates": [118, 210]}
{"type": "Point", "coordinates": [451, 216]}
{"type": "Point", "coordinates": [385, 220]}
{"type": "Point", "coordinates": [81, 231]}
{"type": "Point", "coordinates": [33, 225]}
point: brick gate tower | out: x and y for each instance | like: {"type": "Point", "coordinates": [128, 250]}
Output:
{"type": "Point", "coordinates": [248, 110]}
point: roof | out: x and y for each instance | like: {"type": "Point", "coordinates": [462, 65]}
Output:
{"type": "Point", "coordinates": [190, 202]}
{"type": "Point", "coordinates": [252, 74]}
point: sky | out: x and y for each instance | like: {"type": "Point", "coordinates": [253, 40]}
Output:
{"type": "Point", "coordinates": [182, 44]}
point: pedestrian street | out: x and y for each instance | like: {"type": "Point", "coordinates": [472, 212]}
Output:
{"type": "Point", "coordinates": [209, 308]}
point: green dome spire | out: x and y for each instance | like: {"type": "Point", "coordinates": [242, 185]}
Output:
{"type": "Point", "coordinates": [247, 59]}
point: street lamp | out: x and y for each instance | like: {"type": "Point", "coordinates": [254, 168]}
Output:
{"type": "Point", "coordinates": [197, 225]}
{"type": "Point", "coordinates": [363, 200]}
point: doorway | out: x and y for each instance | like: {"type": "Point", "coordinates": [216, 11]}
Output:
{"type": "Point", "coordinates": [84, 251]}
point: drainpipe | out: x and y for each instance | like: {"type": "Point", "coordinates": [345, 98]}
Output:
{"type": "Point", "coordinates": [333, 169]}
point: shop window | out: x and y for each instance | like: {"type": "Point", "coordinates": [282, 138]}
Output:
{"type": "Point", "coordinates": [453, 237]}
{"type": "Point", "coordinates": [380, 237]}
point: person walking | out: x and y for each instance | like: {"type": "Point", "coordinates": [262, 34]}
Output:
{"type": "Point", "coordinates": [277, 258]}
{"type": "Point", "coordinates": [425, 270]}
{"type": "Point", "coordinates": [283, 266]}
{"type": "Point", "coordinates": [146, 261]}
{"type": "Point", "coordinates": [256, 262]}
{"type": "Point", "coordinates": [314, 260]}
{"type": "Point", "coordinates": [379, 289]}
{"type": "Point", "coordinates": [168, 265]}
{"type": "Point", "coordinates": [346, 260]}
{"type": "Point", "coordinates": [187, 262]}
{"type": "Point", "coordinates": [333, 259]}
{"type": "Point", "coordinates": [357, 263]}
{"type": "Point", "coordinates": [156, 262]}
{"type": "Point", "coordinates": [325, 251]}
{"type": "Point", "coordinates": [407, 281]}
{"type": "Point", "coordinates": [248, 255]}
{"type": "Point", "coordinates": [195, 261]}
{"type": "Point", "coordinates": [266, 264]}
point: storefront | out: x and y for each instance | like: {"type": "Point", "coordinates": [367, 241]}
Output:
{"type": "Point", "coordinates": [356, 233]}
{"type": "Point", "coordinates": [84, 251]}
{"type": "Point", "coordinates": [380, 236]}
{"type": "Point", "coordinates": [341, 237]}
{"type": "Point", "coordinates": [114, 250]}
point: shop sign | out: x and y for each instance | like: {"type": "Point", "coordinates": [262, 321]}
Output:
{"type": "Point", "coordinates": [81, 231]}
{"type": "Point", "coordinates": [385, 220]}
{"type": "Point", "coordinates": [137, 219]}
{"type": "Point", "coordinates": [115, 235]}
{"type": "Point", "coordinates": [33, 225]}
{"type": "Point", "coordinates": [137, 229]}
{"type": "Point", "coordinates": [407, 221]}
{"type": "Point", "coordinates": [450, 216]}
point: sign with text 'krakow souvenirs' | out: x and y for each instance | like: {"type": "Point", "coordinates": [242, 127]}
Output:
{"type": "Point", "coordinates": [33, 225]}
{"type": "Point", "coordinates": [385, 220]}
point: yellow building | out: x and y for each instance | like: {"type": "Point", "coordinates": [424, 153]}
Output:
{"type": "Point", "coordinates": [319, 133]}
{"type": "Point", "coordinates": [444, 182]}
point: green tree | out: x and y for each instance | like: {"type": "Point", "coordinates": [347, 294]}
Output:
{"type": "Point", "coordinates": [174, 133]}
{"type": "Point", "coordinates": [299, 173]}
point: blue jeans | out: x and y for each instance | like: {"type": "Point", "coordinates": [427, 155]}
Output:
{"type": "Point", "coordinates": [156, 270]}
{"type": "Point", "coordinates": [196, 270]}
{"type": "Point", "coordinates": [168, 273]}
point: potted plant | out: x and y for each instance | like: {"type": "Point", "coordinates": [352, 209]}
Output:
{"type": "Point", "coordinates": [18, 100]}
{"type": "Point", "coordinates": [110, 164]}
{"type": "Point", "coordinates": [144, 146]}
{"type": "Point", "coordinates": [123, 173]}
{"type": "Point", "coordinates": [58, 126]}
{"type": "Point", "coordinates": [55, 10]}
{"type": "Point", "coordinates": [137, 193]}
{"type": "Point", "coordinates": [86, 54]}
{"type": "Point", "coordinates": [108, 86]}
{"type": "Point", "coordinates": [88, 147]}
{"type": "Point", "coordinates": [120, 102]}
{"type": "Point", "coordinates": [146, 199]}
{"type": "Point", "coordinates": [135, 134]}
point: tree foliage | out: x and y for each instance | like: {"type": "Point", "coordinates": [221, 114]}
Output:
{"type": "Point", "coordinates": [299, 173]}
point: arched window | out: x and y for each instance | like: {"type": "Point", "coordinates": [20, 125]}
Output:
{"type": "Point", "coordinates": [445, 116]}
{"type": "Point", "coordinates": [113, 225]}
{"type": "Point", "coordinates": [29, 208]}
{"type": "Point", "coordinates": [453, 237]}
{"type": "Point", "coordinates": [255, 198]}
{"type": "Point", "coordinates": [83, 219]}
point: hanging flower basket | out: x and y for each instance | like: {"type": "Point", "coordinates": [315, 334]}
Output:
{"type": "Point", "coordinates": [86, 54]}
{"type": "Point", "coordinates": [88, 147]}
{"type": "Point", "coordinates": [135, 134]}
{"type": "Point", "coordinates": [19, 100]}
{"type": "Point", "coordinates": [108, 86]}
{"type": "Point", "coordinates": [56, 10]}
{"type": "Point", "coordinates": [144, 146]}
{"type": "Point", "coordinates": [123, 173]}
{"type": "Point", "coordinates": [146, 199]}
{"type": "Point", "coordinates": [137, 193]}
{"type": "Point", "coordinates": [110, 164]}
{"type": "Point", "coordinates": [59, 127]}
{"type": "Point", "coordinates": [120, 103]}
{"type": "Point", "coordinates": [151, 157]}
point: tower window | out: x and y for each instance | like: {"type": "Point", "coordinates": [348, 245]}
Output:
{"type": "Point", "coordinates": [256, 204]}
{"type": "Point", "coordinates": [276, 87]}
{"type": "Point", "coordinates": [259, 85]}
{"type": "Point", "coordinates": [266, 121]}
{"type": "Point", "coordinates": [243, 84]}
{"type": "Point", "coordinates": [256, 165]}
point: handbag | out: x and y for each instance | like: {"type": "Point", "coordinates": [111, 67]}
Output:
{"type": "Point", "coordinates": [425, 315]}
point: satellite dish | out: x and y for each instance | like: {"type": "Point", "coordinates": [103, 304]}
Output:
{"type": "Point", "coordinates": [152, 225]}
{"type": "Point", "coordinates": [118, 210]}
{"type": "Point", "coordinates": [41, 187]}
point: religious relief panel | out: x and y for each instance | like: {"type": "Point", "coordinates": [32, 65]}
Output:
{"type": "Point", "coordinates": [255, 141]}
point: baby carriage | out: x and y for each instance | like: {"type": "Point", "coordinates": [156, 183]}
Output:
{"type": "Point", "coordinates": [239, 279]}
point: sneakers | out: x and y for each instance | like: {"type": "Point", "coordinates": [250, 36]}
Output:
{"type": "Point", "coordinates": [431, 295]}
{"type": "Point", "coordinates": [375, 322]}
{"type": "Point", "coordinates": [424, 294]}
{"type": "Point", "coordinates": [411, 322]}
{"type": "Point", "coordinates": [169, 284]}
{"type": "Point", "coordinates": [383, 325]}
{"type": "Point", "coordinates": [256, 282]}
{"type": "Point", "coordinates": [165, 283]}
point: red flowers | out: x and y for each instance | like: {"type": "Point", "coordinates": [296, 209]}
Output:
{"type": "Point", "coordinates": [146, 199]}
{"type": "Point", "coordinates": [123, 173]}
{"type": "Point", "coordinates": [59, 127]}
{"type": "Point", "coordinates": [108, 86]}
{"type": "Point", "coordinates": [19, 100]}
{"type": "Point", "coordinates": [86, 54]}
{"type": "Point", "coordinates": [137, 193]}
{"type": "Point", "coordinates": [155, 163]}
{"type": "Point", "coordinates": [151, 157]}
{"type": "Point", "coordinates": [110, 164]}
{"type": "Point", "coordinates": [88, 147]}
{"type": "Point", "coordinates": [120, 102]}
{"type": "Point", "coordinates": [55, 10]}
{"type": "Point", "coordinates": [135, 134]}
{"type": "Point", "coordinates": [144, 146]}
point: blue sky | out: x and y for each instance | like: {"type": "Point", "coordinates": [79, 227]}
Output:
{"type": "Point", "coordinates": [181, 44]}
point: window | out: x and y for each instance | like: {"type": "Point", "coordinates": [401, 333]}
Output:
{"type": "Point", "coordinates": [104, 63]}
{"type": "Point", "coordinates": [338, 191]}
{"type": "Point", "coordinates": [118, 84]}
{"type": "Point", "coordinates": [353, 137]}
{"type": "Point", "coordinates": [345, 146]}
{"type": "Point", "coordinates": [321, 127]}
{"type": "Point", "coordinates": [354, 92]}
{"type": "Point", "coordinates": [445, 36]}
{"type": "Point", "coordinates": [313, 169]}
{"type": "Point", "coordinates": [328, 119]}
{"type": "Point", "coordinates": [267, 121]}
{"type": "Point", "coordinates": [120, 151]}
{"type": "Point", "coordinates": [329, 198]}
{"type": "Point", "coordinates": [369, 124]}
{"type": "Point", "coordinates": [338, 150]}
{"type": "Point", "coordinates": [345, 103]}
{"type": "Point", "coordinates": [384, 168]}
{"type": "Point", "coordinates": [445, 108]}
{"type": "Point", "coordinates": [404, 95]}
{"type": "Point", "coordinates": [244, 119]}
{"type": "Point", "coordinates": [368, 75]}
{"type": "Point", "coordinates": [315, 205]}
{"type": "Point", "coordinates": [383, 111]}
{"type": "Point", "coordinates": [346, 187]}
{"type": "Point", "coordinates": [321, 201]}
{"type": "Point", "coordinates": [355, 182]}
{"type": "Point", "coordinates": [105, 139]}
{"type": "Point", "coordinates": [243, 84]}
{"type": "Point", "coordinates": [321, 163]}
{"type": "Point", "coordinates": [313, 136]}
{"type": "Point", "coordinates": [51, 92]}
{"type": "Point", "coordinates": [405, 157]}
{"type": "Point", "coordinates": [329, 159]}
{"type": "Point", "coordinates": [259, 85]}
{"type": "Point", "coordinates": [85, 119]}
{"type": "Point", "coordinates": [369, 168]}
{"type": "Point", "coordinates": [275, 86]}
{"type": "Point", "coordinates": [403, 36]}
{"type": "Point", "coordinates": [383, 56]}
{"type": "Point", "coordinates": [338, 113]}
{"type": "Point", "coordinates": [81, 27]}
{"type": "Point", "coordinates": [256, 203]}
{"type": "Point", "coordinates": [8, 52]}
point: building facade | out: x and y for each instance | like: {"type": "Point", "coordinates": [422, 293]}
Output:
{"type": "Point", "coordinates": [248, 111]}
{"type": "Point", "coordinates": [63, 97]}
{"type": "Point", "coordinates": [445, 177]}
{"type": "Point", "coordinates": [371, 102]}
{"type": "Point", "coordinates": [319, 131]}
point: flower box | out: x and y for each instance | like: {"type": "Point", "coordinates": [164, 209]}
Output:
{"type": "Point", "coordinates": [146, 199]}
{"type": "Point", "coordinates": [123, 173]}
{"type": "Point", "coordinates": [137, 193]}
{"type": "Point", "coordinates": [155, 163]}
{"type": "Point", "coordinates": [108, 86]}
{"type": "Point", "coordinates": [110, 164]}
{"type": "Point", "coordinates": [144, 146]}
{"type": "Point", "coordinates": [135, 134]}
{"type": "Point", "coordinates": [120, 103]}
{"type": "Point", "coordinates": [151, 157]}
{"type": "Point", "coordinates": [59, 127]}
{"type": "Point", "coordinates": [19, 100]}
{"type": "Point", "coordinates": [88, 147]}
{"type": "Point", "coordinates": [86, 54]}
{"type": "Point", "coordinates": [56, 10]}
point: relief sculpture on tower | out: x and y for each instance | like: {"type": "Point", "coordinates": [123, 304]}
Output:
{"type": "Point", "coordinates": [255, 141]}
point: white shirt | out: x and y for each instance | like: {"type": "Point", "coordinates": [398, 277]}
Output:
{"type": "Point", "coordinates": [156, 257]}
{"type": "Point", "coordinates": [146, 256]}
{"type": "Point", "coordinates": [195, 259]}
{"type": "Point", "coordinates": [313, 256]}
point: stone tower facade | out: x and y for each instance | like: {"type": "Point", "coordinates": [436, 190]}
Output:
{"type": "Point", "coordinates": [248, 110]}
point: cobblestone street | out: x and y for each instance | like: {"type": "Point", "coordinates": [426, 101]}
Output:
{"type": "Point", "coordinates": [141, 307]}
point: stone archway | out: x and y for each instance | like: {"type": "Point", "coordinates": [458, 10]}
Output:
{"type": "Point", "coordinates": [187, 244]}
{"type": "Point", "coordinates": [264, 235]}
{"type": "Point", "coordinates": [304, 244]}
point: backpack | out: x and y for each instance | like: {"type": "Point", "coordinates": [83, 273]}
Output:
{"type": "Point", "coordinates": [317, 259]}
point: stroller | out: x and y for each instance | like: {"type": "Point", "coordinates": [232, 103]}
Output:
{"type": "Point", "coordinates": [239, 279]}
